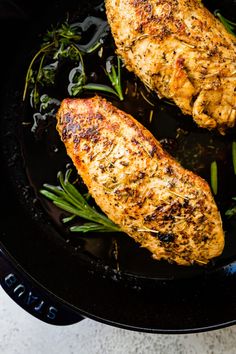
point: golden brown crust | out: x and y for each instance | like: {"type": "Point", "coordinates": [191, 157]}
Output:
{"type": "Point", "coordinates": [180, 50]}
{"type": "Point", "coordinates": [167, 209]}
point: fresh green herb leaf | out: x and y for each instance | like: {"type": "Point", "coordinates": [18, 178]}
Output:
{"type": "Point", "coordinates": [30, 77]}
{"type": "Point", "coordinates": [47, 103]}
{"type": "Point", "coordinates": [100, 87]}
{"type": "Point", "coordinates": [229, 25]}
{"type": "Point", "coordinates": [89, 227]}
{"type": "Point", "coordinates": [49, 73]}
{"type": "Point", "coordinates": [34, 97]}
{"type": "Point", "coordinates": [115, 76]}
{"type": "Point", "coordinates": [68, 219]}
{"type": "Point", "coordinates": [64, 33]}
{"type": "Point", "coordinates": [63, 43]}
{"type": "Point", "coordinates": [231, 212]}
{"type": "Point", "coordinates": [47, 108]}
{"type": "Point", "coordinates": [67, 197]}
{"type": "Point", "coordinates": [77, 79]}
{"type": "Point", "coordinates": [214, 177]}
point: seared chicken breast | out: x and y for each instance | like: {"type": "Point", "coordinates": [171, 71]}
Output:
{"type": "Point", "coordinates": [165, 208]}
{"type": "Point", "coordinates": [181, 51]}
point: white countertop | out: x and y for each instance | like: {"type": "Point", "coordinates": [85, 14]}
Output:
{"type": "Point", "coordinates": [20, 333]}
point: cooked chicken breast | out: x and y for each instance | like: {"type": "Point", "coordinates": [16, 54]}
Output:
{"type": "Point", "coordinates": [181, 51]}
{"type": "Point", "coordinates": [165, 208]}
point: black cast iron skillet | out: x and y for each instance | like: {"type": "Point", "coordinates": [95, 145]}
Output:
{"type": "Point", "coordinates": [61, 278]}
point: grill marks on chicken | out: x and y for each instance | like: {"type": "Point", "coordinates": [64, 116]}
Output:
{"type": "Point", "coordinates": [165, 208]}
{"type": "Point", "coordinates": [180, 50]}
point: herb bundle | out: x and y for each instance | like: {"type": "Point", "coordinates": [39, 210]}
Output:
{"type": "Point", "coordinates": [63, 43]}
{"type": "Point", "coordinates": [67, 197]}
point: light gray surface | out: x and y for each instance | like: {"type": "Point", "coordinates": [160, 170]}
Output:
{"type": "Point", "coordinates": [20, 333]}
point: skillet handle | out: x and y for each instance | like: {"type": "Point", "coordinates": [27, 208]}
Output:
{"type": "Point", "coordinates": [32, 297]}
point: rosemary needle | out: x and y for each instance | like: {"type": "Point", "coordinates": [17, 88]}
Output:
{"type": "Point", "coordinates": [214, 177]}
{"type": "Point", "coordinates": [67, 197]}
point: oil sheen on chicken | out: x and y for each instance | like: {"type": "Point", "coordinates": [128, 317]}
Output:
{"type": "Point", "coordinates": [165, 208]}
{"type": "Point", "coordinates": [181, 51]}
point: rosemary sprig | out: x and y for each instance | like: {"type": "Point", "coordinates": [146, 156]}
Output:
{"type": "Point", "coordinates": [67, 197]}
{"type": "Point", "coordinates": [115, 76]}
{"type": "Point", "coordinates": [78, 82]}
{"type": "Point", "coordinates": [229, 25]}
